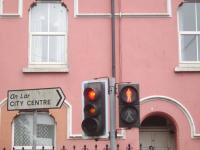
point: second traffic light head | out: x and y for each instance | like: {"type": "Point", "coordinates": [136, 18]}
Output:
{"type": "Point", "coordinates": [129, 106]}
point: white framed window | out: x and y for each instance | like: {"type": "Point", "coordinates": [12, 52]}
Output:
{"type": "Point", "coordinates": [189, 36]}
{"type": "Point", "coordinates": [1, 7]}
{"type": "Point", "coordinates": [48, 36]}
{"type": "Point", "coordinates": [24, 133]}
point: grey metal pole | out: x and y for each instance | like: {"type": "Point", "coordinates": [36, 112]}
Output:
{"type": "Point", "coordinates": [112, 114]}
{"type": "Point", "coordinates": [34, 129]}
{"type": "Point", "coordinates": [112, 83]}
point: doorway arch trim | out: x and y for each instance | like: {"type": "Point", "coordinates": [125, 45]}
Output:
{"type": "Point", "coordinates": [180, 106]}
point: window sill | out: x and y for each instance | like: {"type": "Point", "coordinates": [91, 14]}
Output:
{"type": "Point", "coordinates": [188, 68]}
{"type": "Point", "coordinates": [10, 15]}
{"type": "Point", "coordinates": [46, 68]}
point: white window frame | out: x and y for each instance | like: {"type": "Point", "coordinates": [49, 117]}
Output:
{"type": "Point", "coordinates": [17, 14]}
{"type": "Point", "coordinates": [1, 7]}
{"type": "Point", "coordinates": [47, 66]}
{"type": "Point", "coordinates": [37, 147]}
{"type": "Point", "coordinates": [185, 66]}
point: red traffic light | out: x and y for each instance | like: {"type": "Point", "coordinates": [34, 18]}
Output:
{"type": "Point", "coordinates": [90, 94]}
{"type": "Point", "coordinates": [128, 94]}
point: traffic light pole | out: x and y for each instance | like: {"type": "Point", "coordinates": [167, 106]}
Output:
{"type": "Point", "coordinates": [112, 83]}
{"type": "Point", "coordinates": [112, 114]}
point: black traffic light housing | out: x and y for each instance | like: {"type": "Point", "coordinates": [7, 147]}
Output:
{"type": "Point", "coordinates": [94, 109]}
{"type": "Point", "coordinates": [129, 105]}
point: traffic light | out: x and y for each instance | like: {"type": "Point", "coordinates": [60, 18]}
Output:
{"type": "Point", "coordinates": [129, 105]}
{"type": "Point", "coordinates": [94, 101]}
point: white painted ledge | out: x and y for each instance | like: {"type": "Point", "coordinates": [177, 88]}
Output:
{"type": "Point", "coordinates": [10, 16]}
{"type": "Point", "coordinates": [187, 69]}
{"type": "Point", "coordinates": [46, 68]}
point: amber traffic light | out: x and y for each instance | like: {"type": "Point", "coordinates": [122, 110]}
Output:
{"type": "Point", "coordinates": [129, 106]}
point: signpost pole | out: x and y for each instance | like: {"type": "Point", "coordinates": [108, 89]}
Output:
{"type": "Point", "coordinates": [34, 129]}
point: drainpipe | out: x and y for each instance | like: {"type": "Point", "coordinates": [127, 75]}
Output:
{"type": "Point", "coordinates": [113, 37]}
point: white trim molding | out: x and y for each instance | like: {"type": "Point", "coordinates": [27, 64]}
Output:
{"type": "Point", "coordinates": [180, 106]}
{"type": "Point", "coordinates": [10, 15]}
{"type": "Point", "coordinates": [168, 12]}
{"type": "Point", "coordinates": [188, 66]}
{"type": "Point", "coordinates": [46, 68]}
{"type": "Point", "coordinates": [1, 104]}
{"type": "Point", "coordinates": [70, 135]}
{"type": "Point", "coordinates": [187, 69]}
{"type": "Point", "coordinates": [121, 134]}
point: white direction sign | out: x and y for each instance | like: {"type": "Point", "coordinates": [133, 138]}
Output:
{"type": "Point", "coordinates": [35, 98]}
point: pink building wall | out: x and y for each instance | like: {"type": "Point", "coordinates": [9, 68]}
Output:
{"type": "Point", "coordinates": [146, 52]}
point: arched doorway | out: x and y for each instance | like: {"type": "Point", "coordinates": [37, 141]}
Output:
{"type": "Point", "coordinates": [157, 132]}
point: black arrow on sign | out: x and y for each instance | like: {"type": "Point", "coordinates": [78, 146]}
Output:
{"type": "Point", "coordinates": [59, 96]}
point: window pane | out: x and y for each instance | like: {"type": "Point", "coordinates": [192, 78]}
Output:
{"type": "Point", "coordinates": [189, 49]}
{"type": "Point", "coordinates": [23, 133]}
{"type": "Point", "coordinates": [39, 49]}
{"type": "Point", "coordinates": [39, 18]}
{"type": "Point", "coordinates": [57, 49]}
{"type": "Point", "coordinates": [44, 118]}
{"type": "Point", "coordinates": [45, 135]}
{"type": "Point", "coordinates": [45, 130]}
{"type": "Point", "coordinates": [198, 16]}
{"type": "Point", "coordinates": [57, 18]}
{"type": "Point", "coordinates": [187, 17]}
